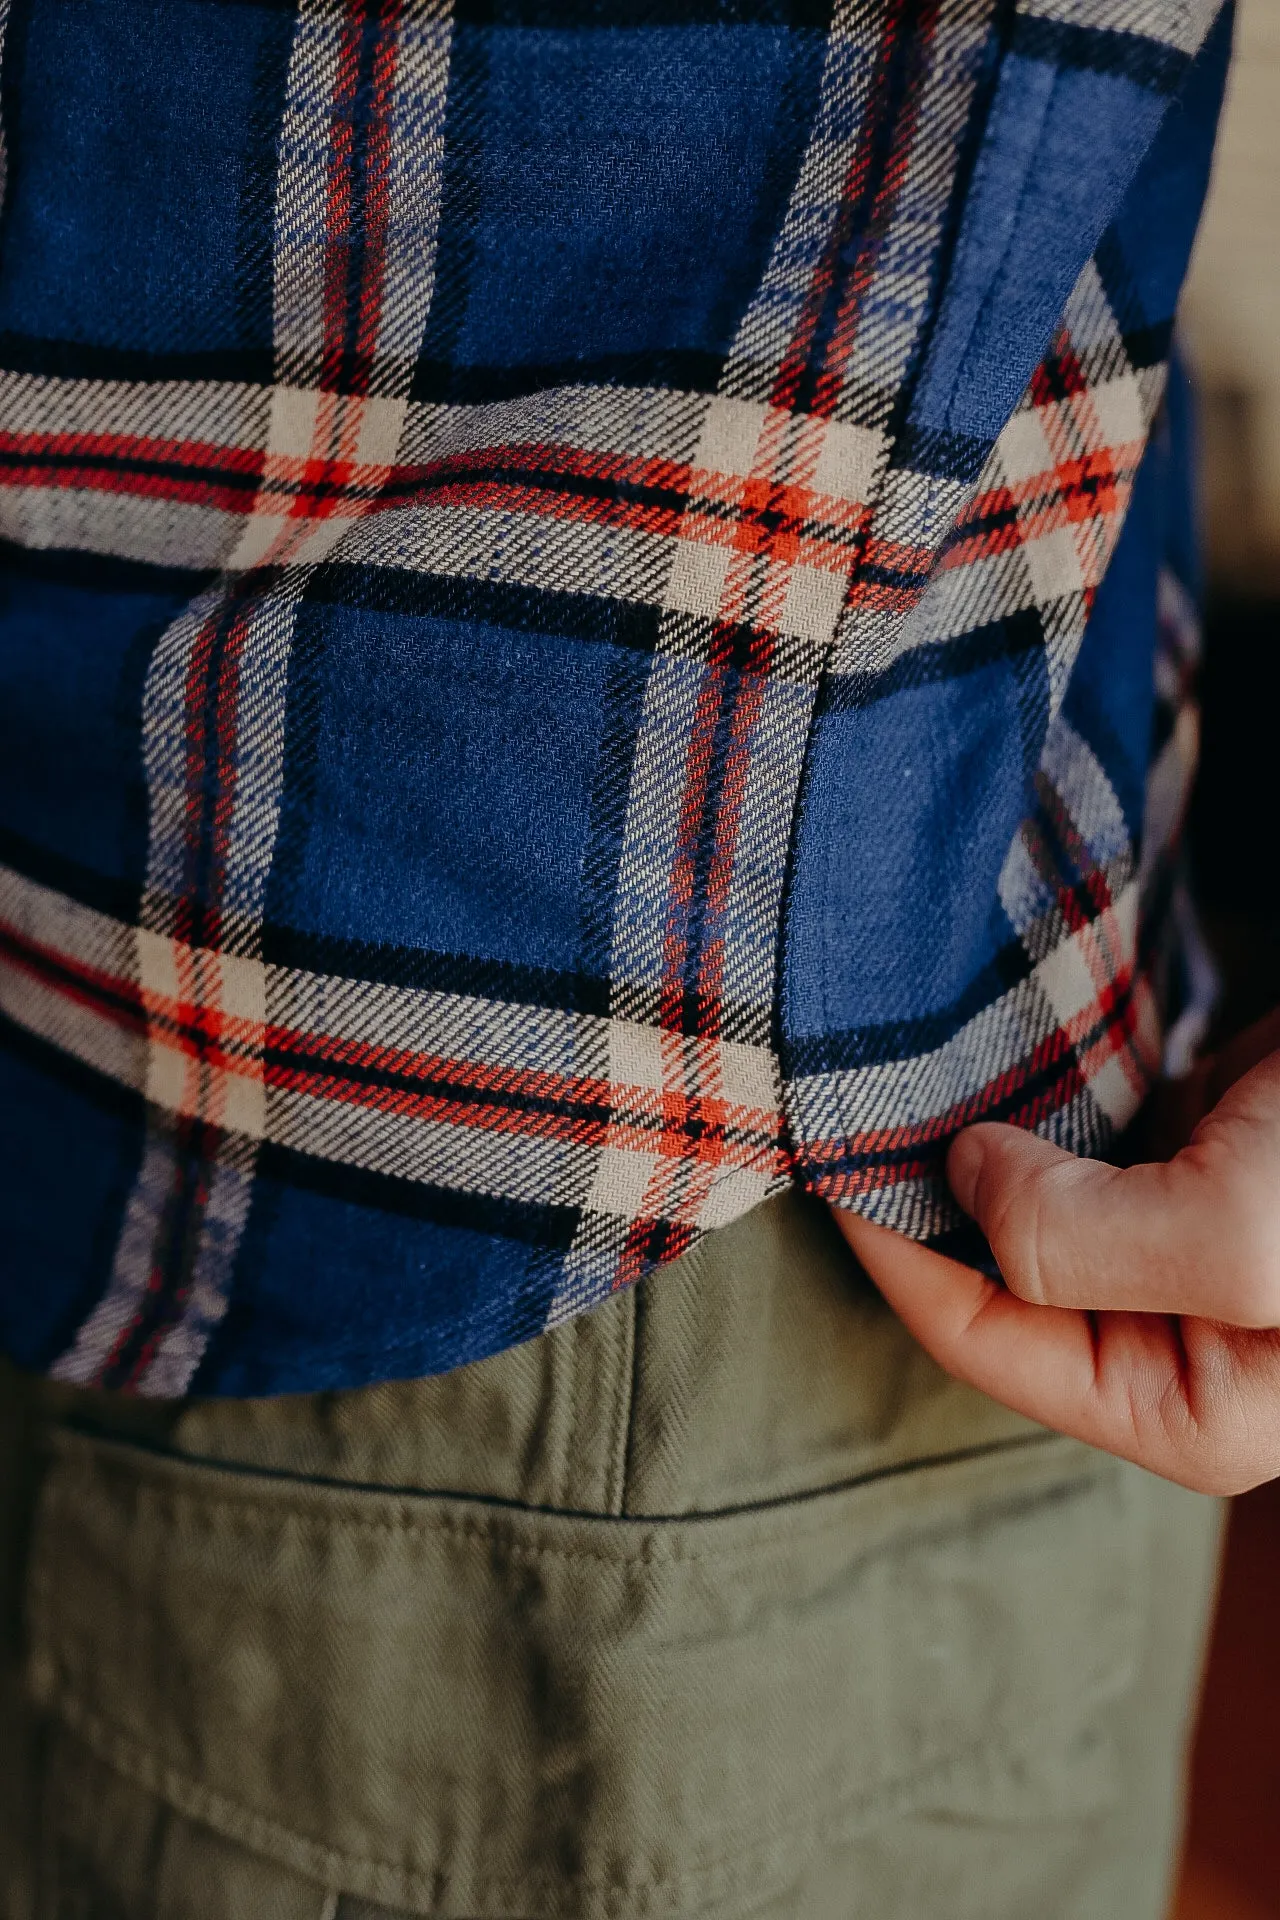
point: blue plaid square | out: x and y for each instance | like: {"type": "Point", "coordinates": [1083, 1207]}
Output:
{"type": "Point", "coordinates": [137, 233]}
{"type": "Point", "coordinates": [611, 194]}
{"type": "Point", "coordinates": [397, 720]}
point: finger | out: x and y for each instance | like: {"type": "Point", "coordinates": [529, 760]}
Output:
{"type": "Point", "coordinates": [1037, 1360]}
{"type": "Point", "coordinates": [1197, 1403]}
{"type": "Point", "coordinates": [1199, 1234]}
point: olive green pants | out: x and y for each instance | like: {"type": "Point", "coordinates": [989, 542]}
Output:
{"type": "Point", "coordinates": [721, 1600]}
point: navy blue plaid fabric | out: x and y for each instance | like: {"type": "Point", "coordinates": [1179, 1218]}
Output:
{"type": "Point", "coordinates": [596, 616]}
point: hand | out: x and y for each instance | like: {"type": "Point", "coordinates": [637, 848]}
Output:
{"type": "Point", "coordinates": [1142, 1305]}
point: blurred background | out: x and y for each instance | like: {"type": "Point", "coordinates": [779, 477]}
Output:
{"type": "Point", "coordinates": [1231, 334]}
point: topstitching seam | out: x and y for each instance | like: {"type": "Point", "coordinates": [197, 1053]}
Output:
{"type": "Point", "coordinates": [662, 1531]}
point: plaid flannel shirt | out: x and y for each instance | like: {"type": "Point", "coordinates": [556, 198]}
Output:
{"type": "Point", "coordinates": [593, 622]}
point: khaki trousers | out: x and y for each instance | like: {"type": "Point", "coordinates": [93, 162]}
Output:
{"type": "Point", "coordinates": [720, 1600]}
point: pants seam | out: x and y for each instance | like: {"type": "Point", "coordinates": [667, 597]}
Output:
{"type": "Point", "coordinates": [426, 1515]}
{"type": "Point", "coordinates": [629, 1442]}
{"type": "Point", "coordinates": [623, 1355]}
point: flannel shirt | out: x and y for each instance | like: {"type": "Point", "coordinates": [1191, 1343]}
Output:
{"type": "Point", "coordinates": [596, 617]}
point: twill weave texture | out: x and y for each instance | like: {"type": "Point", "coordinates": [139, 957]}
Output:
{"type": "Point", "coordinates": [596, 617]}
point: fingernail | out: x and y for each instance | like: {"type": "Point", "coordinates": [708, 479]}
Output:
{"type": "Point", "coordinates": [964, 1164]}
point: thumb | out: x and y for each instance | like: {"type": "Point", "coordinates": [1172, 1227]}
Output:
{"type": "Point", "coordinates": [1195, 1235]}
{"type": "Point", "coordinates": [1037, 1206]}
{"type": "Point", "coordinates": [1198, 1234]}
